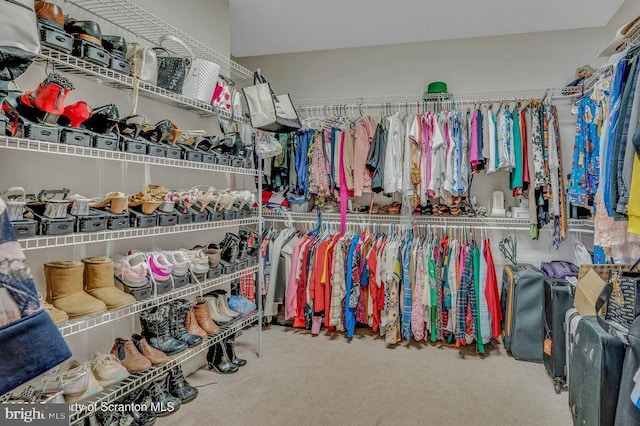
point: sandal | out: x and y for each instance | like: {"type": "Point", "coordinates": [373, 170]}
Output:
{"type": "Point", "coordinates": [15, 199]}
{"type": "Point", "coordinates": [394, 208]}
{"type": "Point", "coordinates": [417, 211]}
{"type": "Point", "coordinates": [132, 125]}
{"type": "Point", "coordinates": [185, 197]}
{"type": "Point", "coordinates": [103, 119]}
{"type": "Point", "coordinates": [188, 137]}
{"type": "Point", "coordinates": [205, 197]}
{"type": "Point", "coordinates": [80, 204]}
{"type": "Point", "coordinates": [161, 132]}
{"type": "Point", "coordinates": [117, 202]}
{"type": "Point", "coordinates": [149, 198]}
{"type": "Point", "coordinates": [383, 209]}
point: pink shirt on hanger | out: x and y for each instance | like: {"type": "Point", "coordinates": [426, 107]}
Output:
{"type": "Point", "coordinates": [365, 130]}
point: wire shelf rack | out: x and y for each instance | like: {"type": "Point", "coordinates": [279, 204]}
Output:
{"type": "Point", "coordinates": [43, 242]}
{"type": "Point", "coordinates": [22, 144]}
{"type": "Point", "coordinates": [148, 27]}
{"type": "Point", "coordinates": [83, 324]}
{"type": "Point", "coordinates": [81, 410]}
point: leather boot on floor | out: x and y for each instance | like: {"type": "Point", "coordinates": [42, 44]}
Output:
{"type": "Point", "coordinates": [129, 356]}
{"type": "Point", "coordinates": [152, 354]}
{"type": "Point", "coordinates": [99, 282]}
{"type": "Point", "coordinates": [201, 313]}
{"type": "Point", "coordinates": [164, 402]}
{"type": "Point", "coordinates": [179, 310]}
{"type": "Point", "coordinates": [179, 387]}
{"type": "Point", "coordinates": [65, 289]}
{"type": "Point", "coordinates": [156, 327]}
{"type": "Point", "coordinates": [230, 346]}
{"type": "Point", "coordinates": [219, 361]}
{"type": "Point", "coordinates": [141, 408]}
{"type": "Point", "coordinates": [191, 324]}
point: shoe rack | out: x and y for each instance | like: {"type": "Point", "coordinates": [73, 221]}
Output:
{"type": "Point", "coordinates": [139, 25]}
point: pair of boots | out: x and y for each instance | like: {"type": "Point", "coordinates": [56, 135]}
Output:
{"type": "Point", "coordinates": [222, 357]}
{"type": "Point", "coordinates": [170, 391]}
{"type": "Point", "coordinates": [199, 322]}
{"type": "Point", "coordinates": [83, 288]}
{"type": "Point", "coordinates": [164, 327]}
{"type": "Point", "coordinates": [136, 354]}
{"type": "Point", "coordinates": [218, 308]}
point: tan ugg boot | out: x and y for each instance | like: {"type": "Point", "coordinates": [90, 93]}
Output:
{"type": "Point", "coordinates": [99, 283]}
{"type": "Point", "coordinates": [64, 289]}
{"type": "Point", "coordinates": [56, 314]}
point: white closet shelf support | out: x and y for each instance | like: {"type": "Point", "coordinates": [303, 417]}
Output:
{"type": "Point", "coordinates": [32, 145]}
{"type": "Point", "coordinates": [83, 324]}
{"type": "Point", "coordinates": [43, 242]}
{"type": "Point", "coordinates": [83, 409]}
{"type": "Point", "coordinates": [144, 26]}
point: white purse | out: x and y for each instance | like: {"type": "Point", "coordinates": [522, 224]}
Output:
{"type": "Point", "coordinates": [144, 63]}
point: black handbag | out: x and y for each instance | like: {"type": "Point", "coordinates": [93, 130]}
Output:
{"type": "Point", "coordinates": [172, 70]}
{"type": "Point", "coordinates": [622, 297]}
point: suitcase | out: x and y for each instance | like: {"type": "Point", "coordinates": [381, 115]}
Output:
{"type": "Point", "coordinates": [522, 306]}
{"type": "Point", "coordinates": [596, 370]}
{"type": "Point", "coordinates": [558, 299]}
{"type": "Point", "coordinates": [627, 413]}
{"type": "Point", "coordinates": [571, 320]}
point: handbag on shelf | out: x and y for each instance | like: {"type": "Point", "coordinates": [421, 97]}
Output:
{"type": "Point", "coordinates": [19, 38]}
{"type": "Point", "coordinates": [144, 63]}
{"type": "Point", "coordinates": [222, 94]}
{"type": "Point", "coordinates": [231, 141]}
{"type": "Point", "coordinates": [268, 111]}
{"type": "Point", "coordinates": [201, 79]}
{"type": "Point", "coordinates": [267, 146]}
{"type": "Point", "coordinates": [172, 70]}
{"type": "Point", "coordinates": [621, 295]}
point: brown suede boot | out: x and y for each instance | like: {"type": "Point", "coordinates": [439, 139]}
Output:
{"type": "Point", "coordinates": [56, 314]}
{"type": "Point", "coordinates": [152, 354]}
{"type": "Point", "coordinates": [99, 283]}
{"type": "Point", "coordinates": [204, 319]}
{"type": "Point", "coordinates": [64, 289]}
{"type": "Point", "coordinates": [191, 324]}
{"type": "Point", "coordinates": [129, 355]}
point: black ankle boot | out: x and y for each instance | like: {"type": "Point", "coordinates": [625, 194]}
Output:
{"type": "Point", "coordinates": [179, 387]}
{"type": "Point", "coordinates": [231, 352]}
{"type": "Point", "coordinates": [179, 310]}
{"type": "Point", "coordinates": [230, 248]}
{"type": "Point", "coordinates": [219, 361]}
{"type": "Point", "coordinates": [156, 328]}
{"type": "Point", "coordinates": [164, 402]}
{"type": "Point", "coordinates": [143, 416]}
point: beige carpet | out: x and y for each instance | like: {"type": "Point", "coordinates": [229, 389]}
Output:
{"type": "Point", "coordinates": [326, 380]}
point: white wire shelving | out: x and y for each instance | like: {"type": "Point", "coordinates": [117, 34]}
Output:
{"type": "Point", "coordinates": [22, 144]}
{"type": "Point", "coordinates": [83, 409]}
{"type": "Point", "coordinates": [83, 324]}
{"type": "Point", "coordinates": [76, 66]}
{"type": "Point", "coordinates": [43, 242]}
{"type": "Point", "coordinates": [144, 26]}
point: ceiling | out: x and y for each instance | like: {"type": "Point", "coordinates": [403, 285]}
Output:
{"type": "Point", "coordinates": [264, 27]}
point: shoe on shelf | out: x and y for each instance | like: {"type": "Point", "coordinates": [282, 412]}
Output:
{"type": "Point", "coordinates": [230, 346]}
{"type": "Point", "coordinates": [213, 253]}
{"type": "Point", "coordinates": [218, 317]}
{"type": "Point", "coordinates": [141, 408]}
{"type": "Point", "coordinates": [75, 114]}
{"type": "Point", "coordinates": [99, 282]}
{"type": "Point", "coordinates": [179, 387]}
{"type": "Point", "coordinates": [192, 326]}
{"type": "Point", "coordinates": [58, 316]}
{"type": "Point", "coordinates": [152, 354]}
{"type": "Point", "coordinates": [65, 283]}
{"type": "Point", "coordinates": [164, 402]}
{"type": "Point", "coordinates": [156, 328]}
{"type": "Point", "coordinates": [241, 304]}
{"type": "Point", "coordinates": [103, 119]}
{"type": "Point", "coordinates": [178, 312]}
{"type": "Point", "coordinates": [50, 12]}
{"type": "Point", "coordinates": [131, 270]}
{"type": "Point", "coordinates": [159, 267]}
{"type": "Point", "coordinates": [199, 262]}
{"type": "Point", "coordinates": [201, 315]}
{"type": "Point", "coordinates": [223, 304]}
{"type": "Point", "coordinates": [129, 356]}
{"type": "Point", "coordinates": [107, 369]}
{"type": "Point", "coordinates": [118, 202]}
{"type": "Point", "coordinates": [179, 261]}
{"type": "Point", "coordinates": [77, 383]}
{"type": "Point", "coordinates": [218, 360]}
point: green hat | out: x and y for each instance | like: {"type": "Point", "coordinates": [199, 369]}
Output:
{"type": "Point", "coordinates": [437, 87]}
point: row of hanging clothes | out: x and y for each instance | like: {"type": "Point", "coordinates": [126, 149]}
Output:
{"type": "Point", "coordinates": [430, 158]}
{"type": "Point", "coordinates": [605, 166]}
{"type": "Point", "coordinates": [419, 283]}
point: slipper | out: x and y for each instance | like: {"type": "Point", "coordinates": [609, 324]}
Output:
{"type": "Point", "coordinates": [417, 211]}
{"type": "Point", "coordinates": [383, 209]}
{"type": "Point", "coordinates": [394, 208]}
{"type": "Point", "coordinates": [375, 209]}
{"type": "Point", "coordinates": [117, 202]}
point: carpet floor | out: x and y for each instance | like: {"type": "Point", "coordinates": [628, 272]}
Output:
{"type": "Point", "coordinates": [326, 380]}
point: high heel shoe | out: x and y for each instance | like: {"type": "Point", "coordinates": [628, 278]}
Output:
{"type": "Point", "coordinates": [103, 119]}
{"type": "Point", "coordinates": [75, 114]}
{"type": "Point", "coordinates": [158, 133]}
{"type": "Point", "coordinates": [132, 125]}
{"type": "Point", "coordinates": [45, 103]}
{"type": "Point", "coordinates": [117, 202]}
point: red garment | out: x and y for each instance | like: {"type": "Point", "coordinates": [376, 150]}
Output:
{"type": "Point", "coordinates": [316, 289]}
{"type": "Point", "coordinates": [299, 321]}
{"type": "Point", "coordinates": [372, 262]}
{"type": "Point", "coordinates": [491, 292]}
{"type": "Point", "coordinates": [328, 271]}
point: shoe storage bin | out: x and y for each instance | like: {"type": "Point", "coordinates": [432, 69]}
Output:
{"type": "Point", "coordinates": [228, 268]}
{"type": "Point", "coordinates": [155, 150]}
{"type": "Point", "coordinates": [215, 272]}
{"type": "Point", "coordinates": [30, 130]}
{"type": "Point", "coordinates": [201, 277]}
{"type": "Point", "coordinates": [25, 228]}
{"type": "Point", "coordinates": [197, 216]}
{"type": "Point", "coordinates": [236, 161]}
{"type": "Point", "coordinates": [134, 146]}
{"type": "Point", "coordinates": [91, 223]}
{"type": "Point", "coordinates": [167, 219]}
{"type": "Point", "coordinates": [108, 142]}
{"type": "Point", "coordinates": [55, 38]}
{"type": "Point", "coordinates": [90, 52]}
{"type": "Point", "coordinates": [184, 218]}
{"type": "Point", "coordinates": [180, 281]}
{"type": "Point", "coordinates": [229, 214]}
{"type": "Point", "coordinates": [162, 288]}
{"type": "Point", "coordinates": [120, 65]}
{"type": "Point", "coordinates": [209, 158]}
{"type": "Point", "coordinates": [114, 221]}
{"type": "Point", "coordinates": [139, 293]}
{"type": "Point", "coordinates": [214, 216]}
{"type": "Point", "coordinates": [141, 220]}
{"type": "Point", "coordinates": [191, 154]}
{"type": "Point", "coordinates": [223, 160]}
{"type": "Point", "coordinates": [174, 152]}
{"type": "Point", "coordinates": [252, 261]}
{"type": "Point", "coordinates": [48, 226]}
{"type": "Point", "coordinates": [242, 264]}
{"type": "Point", "coordinates": [76, 137]}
